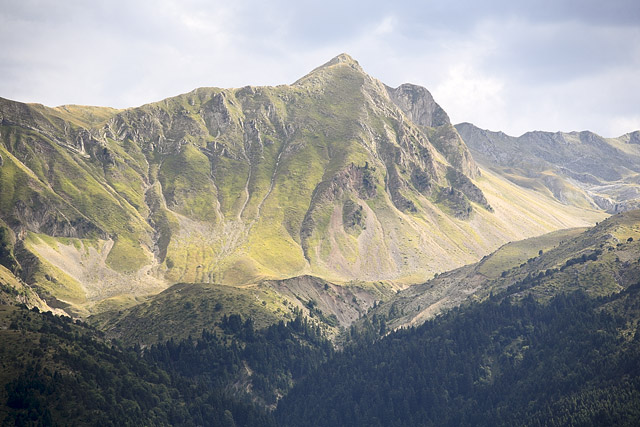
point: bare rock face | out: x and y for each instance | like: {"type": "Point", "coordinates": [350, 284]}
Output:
{"type": "Point", "coordinates": [39, 217]}
{"type": "Point", "coordinates": [345, 303]}
{"type": "Point", "coordinates": [418, 104]}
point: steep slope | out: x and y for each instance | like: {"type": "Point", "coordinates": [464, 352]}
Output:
{"type": "Point", "coordinates": [336, 176]}
{"type": "Point", "coordinates": [577, 168]}
{"type": "Point", "coordinates": [598, 261]}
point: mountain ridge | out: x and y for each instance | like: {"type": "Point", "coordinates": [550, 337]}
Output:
{"type": "Point", "coordinates": [328, 177]}
{"type": "Point", "coordinates": [578, 168]}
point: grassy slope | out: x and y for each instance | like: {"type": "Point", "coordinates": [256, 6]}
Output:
{"type": "Point", "coordinates": [616, 267]}
{"type": "Point", "coordinates": [186, 308]}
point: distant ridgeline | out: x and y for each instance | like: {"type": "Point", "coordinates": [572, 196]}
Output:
{"type": "Point", "coordinates": [579, 168]}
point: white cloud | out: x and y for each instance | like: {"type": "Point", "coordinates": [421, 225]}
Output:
{"type": "Point", "coordinates": [466, 94]}
{"type": "Point", "coordinates": [500, 65]}
{"type": "Point", "coordinates": [386, 26]}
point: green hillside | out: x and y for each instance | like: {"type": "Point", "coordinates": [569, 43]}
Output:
{"type": "Point", "coordinates": [598, 261]}
{"type": "Point", "coordinates": [55, 371]}
{"type": "Point", "coordinates": [186, 309]}
{"type": "Point", "coordinates": [503, 362]}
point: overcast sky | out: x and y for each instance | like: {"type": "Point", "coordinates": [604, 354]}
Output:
{"type": "Point", "coordinates": [503, 65]}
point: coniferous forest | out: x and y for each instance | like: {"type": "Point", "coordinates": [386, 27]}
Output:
{"type": "Point", "coordinates": [509, 360]}
{"type": "Point", "coordinates": [500, 362]}
{"type": "Point", "coordinates": [65, 373]}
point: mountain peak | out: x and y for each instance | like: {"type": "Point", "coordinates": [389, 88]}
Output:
{"type": "Point", "coordinates": [343, 58]}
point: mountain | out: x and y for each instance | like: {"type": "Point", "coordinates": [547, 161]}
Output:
{"type": "Point", "coordinates": [222, 243]}
{"type": "Point", "coordinates": [577, 168]}
{"type": "Point", "coordinates": [335, 176]}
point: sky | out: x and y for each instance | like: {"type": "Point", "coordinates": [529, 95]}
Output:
{"type": "Point", "coordinates": [514, 66]}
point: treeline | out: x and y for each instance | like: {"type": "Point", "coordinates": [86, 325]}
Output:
{"type": "Point", "coordinates": [505, 361]}
{"type": "Point", "coordinates": [499, 362]}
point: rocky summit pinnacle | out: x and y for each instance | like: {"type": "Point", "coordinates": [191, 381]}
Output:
{"type": "Point", "coordinates": [418, 104]}
{"type": "Point", "coordinates": [343, 58]}
{"type": "Point", "coordinates": [342, 62]}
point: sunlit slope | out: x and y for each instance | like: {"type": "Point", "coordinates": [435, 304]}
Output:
{"type": "Point", "coordinates": [185, 309]}
{"type": "Point", "coordinates": [599, 261]}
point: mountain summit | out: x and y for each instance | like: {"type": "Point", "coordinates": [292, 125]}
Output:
{"type": "Point", "coordinates": [336, 176]}
{"type": "Point", "coordinates": [345, 59]}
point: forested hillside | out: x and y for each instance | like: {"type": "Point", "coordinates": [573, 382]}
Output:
{"type": "Point", "coordinates": [573, 361]}
{"type": "Point", "coordinates": [59, 372]}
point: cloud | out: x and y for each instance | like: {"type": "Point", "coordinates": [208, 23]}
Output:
{"type": "Point", "coordinates": [553, 76]}
{"type": "Point", "coordinates": [469, 94]}
{"type": "Point", "coordinates": [507, 65]}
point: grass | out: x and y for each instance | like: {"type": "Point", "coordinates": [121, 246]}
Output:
{"type": "Point", "coordinates": [79, 115]}
{"type": "Point", "coordinates": [275, 251]}
{"type": "Point", "coordinates": [513, 254]}
{"type": "Point", "coordinates": [50, 281]}
{"type": "Point", "coordinates": [127, 256]}
{"type": "Point", "coordinates": [13, 182]}
{"type": "Point", "coordinates": [185, 309]}
{"type": "Point", "coordinates": [231, 176]}
{"type": "Point", "coordinates": [186, 183]}
{"type": "Point", "coordinates": [117, 303]}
